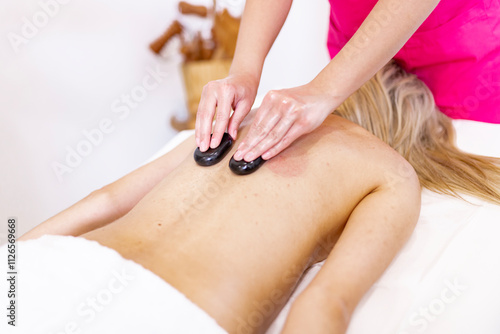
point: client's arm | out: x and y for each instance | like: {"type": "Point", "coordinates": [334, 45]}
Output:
{"type": "Point", "coordinates": [376, 230]}
{"type": "Point", "coordinates": [111, 202]}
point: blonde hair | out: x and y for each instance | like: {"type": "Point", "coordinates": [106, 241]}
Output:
{"type": "Point", "coordinates": [399, 109]}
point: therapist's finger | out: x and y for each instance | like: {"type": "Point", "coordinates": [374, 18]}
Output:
{"type": "Point", "coordinates": [273, 138]}
{"type": "Point", "coordinates": [224, 104]}
{"type": "Point", "coordinates": [264, 122]}
{"type": "Point", "coordinates": [204, 117]}
{"type": "Point", "coordinates": [240, 112]}
{"type": "Point", "coordinates": [293, 134]}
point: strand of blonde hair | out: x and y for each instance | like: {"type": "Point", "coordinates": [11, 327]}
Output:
{"type": "Point", "coordinates": [399, 109]}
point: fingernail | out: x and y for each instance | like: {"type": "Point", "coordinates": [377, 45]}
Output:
{"type": "Point", "coordinates": [212, 144]}
{"type": "Point", "coordinates": [203, 146]}
{"type": "Point", "coordinates": [233, 134]}
{"type": "Point", "coordinates": [266, 155]}
{"type": "Point", "coordinates": [237, 156]}
{"type": "Point", "coordinates": [250, 157]}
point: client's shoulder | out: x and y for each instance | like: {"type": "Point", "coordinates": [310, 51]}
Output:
{"type": "Point", "coordinates": [363, 149]}
{"type": "Point", "coordinates": [340, 132]}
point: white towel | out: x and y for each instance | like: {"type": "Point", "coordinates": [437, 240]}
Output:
{"type": "Point", "coordinates": [73, 285]}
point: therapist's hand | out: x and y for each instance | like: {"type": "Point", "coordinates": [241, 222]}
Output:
{"type": "Point", "coordinates": [284, 116]}
{"type": "Point", "coordinates": [236, 92]}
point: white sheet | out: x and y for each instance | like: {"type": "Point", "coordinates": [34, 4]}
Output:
{"type": "Point", "coordinates": [447, 277]}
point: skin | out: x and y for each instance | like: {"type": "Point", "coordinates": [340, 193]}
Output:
{"type": "Point", "coordinates": [287, 114]}
{"type": "Point", "coordinates": [240, 253]}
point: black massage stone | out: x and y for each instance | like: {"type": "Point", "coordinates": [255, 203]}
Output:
{"type": "Point", "coordinates": [214, 155]}
{"type": "Point", "coordinates": [244, 168]}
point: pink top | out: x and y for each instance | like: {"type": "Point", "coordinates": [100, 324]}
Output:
{"type": "Point", "coordinates": [456, 52]}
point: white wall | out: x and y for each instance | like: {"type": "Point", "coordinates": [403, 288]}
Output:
{"type": "Point", "coordinates": [70, 77]}
{"type": "Point", "coordinates": [300, 51]}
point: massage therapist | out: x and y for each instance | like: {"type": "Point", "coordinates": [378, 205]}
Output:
{"type": "Point", "coordinates": [451, 45]}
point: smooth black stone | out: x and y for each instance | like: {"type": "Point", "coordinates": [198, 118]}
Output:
{"type": "Point", "coordinates": [244, 168]}
{"type": "Point", "coordinates": [214, 155]}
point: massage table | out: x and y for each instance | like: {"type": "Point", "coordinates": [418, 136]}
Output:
{"type": "Point", "coordinates": [446, 279]}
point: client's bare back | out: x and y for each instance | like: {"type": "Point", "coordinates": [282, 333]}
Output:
{"type": "Point", "coordinates": [231, 242]}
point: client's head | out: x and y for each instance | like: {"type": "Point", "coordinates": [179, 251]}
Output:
{"type": "Point", "coordinates": [399, 109]}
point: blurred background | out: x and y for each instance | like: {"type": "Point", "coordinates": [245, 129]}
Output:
{"type": "Point", "coordinates": [83, 101]}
